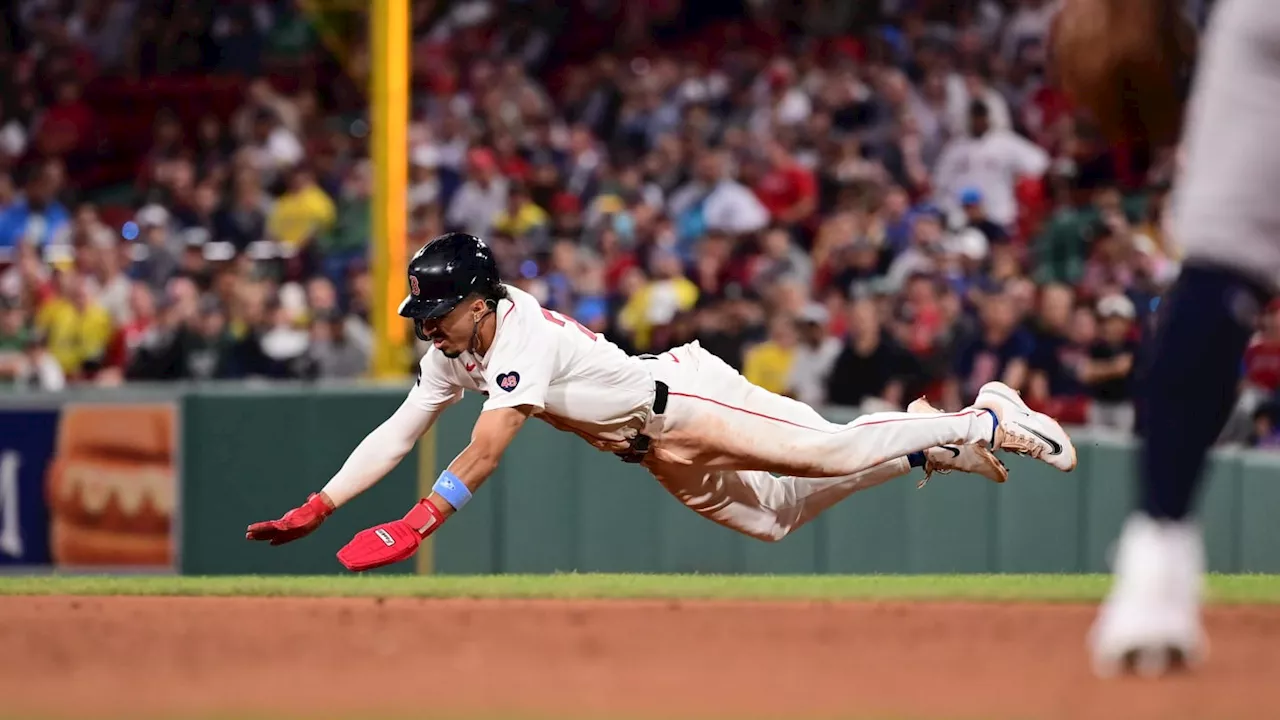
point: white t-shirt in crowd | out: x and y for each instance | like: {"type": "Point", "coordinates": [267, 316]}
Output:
{"type": "Point", "coordinates": [992, 164]}
{"type": "Point", "coordinates": [575, 379]}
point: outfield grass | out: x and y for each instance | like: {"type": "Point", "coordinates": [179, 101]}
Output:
{"type": "Point", "coordinates": [1053, 588]}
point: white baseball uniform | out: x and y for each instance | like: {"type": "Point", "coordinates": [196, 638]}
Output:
{"type": "Point", "coordinates": [740, 455]}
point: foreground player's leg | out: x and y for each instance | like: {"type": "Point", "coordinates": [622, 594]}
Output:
{"type": "Point", "coordinates": [769, 507]}
{"type": "Point", "coordinates": [1224, 215]}
{"type": "Point", "coordinates": [1151, 620]}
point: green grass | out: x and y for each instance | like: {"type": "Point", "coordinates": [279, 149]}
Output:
{"type": "Point", "coordinates": [1054, 588]}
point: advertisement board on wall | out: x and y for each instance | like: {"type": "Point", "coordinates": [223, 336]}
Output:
{"type": "Point", "coordinates": [89, 485]}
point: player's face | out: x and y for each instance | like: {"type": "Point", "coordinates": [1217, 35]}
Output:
{"type": "Point", "coordinates": [452, 333]}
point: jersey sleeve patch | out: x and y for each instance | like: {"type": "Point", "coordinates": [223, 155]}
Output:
{"type": "Point", "coordinates": [509, 380]}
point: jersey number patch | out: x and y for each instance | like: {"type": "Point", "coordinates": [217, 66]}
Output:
{"type": "Point", "coordinates": [560, 319]}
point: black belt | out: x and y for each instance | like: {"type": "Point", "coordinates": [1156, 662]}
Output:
{"type": "Point", "coordinates": [640, 444]}
{"type": "Point", "coordinates": [660, 392]}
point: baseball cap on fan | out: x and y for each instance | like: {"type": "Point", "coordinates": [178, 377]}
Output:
{"type": "Point", "coordinates": [814, 314]}
{"type": "Point", "coordinates": [970, 196]}
{"type": "Point", "coordinates": [152, 215]}
{"type": "Point", "coordinates": [1116, 306]}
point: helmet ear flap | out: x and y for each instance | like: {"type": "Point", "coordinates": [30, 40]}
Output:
{"type": "Point", "coordinates": [420, 330]}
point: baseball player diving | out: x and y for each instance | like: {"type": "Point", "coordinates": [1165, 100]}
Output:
{"type": "Point", "coordinates": [748, 459]}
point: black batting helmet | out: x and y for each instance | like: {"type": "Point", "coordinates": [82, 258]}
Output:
{"type": "Point", "coordinates": [444, 272]}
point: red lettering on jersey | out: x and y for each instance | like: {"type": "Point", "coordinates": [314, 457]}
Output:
{"type": "Point", "coordinates": [560, 319]}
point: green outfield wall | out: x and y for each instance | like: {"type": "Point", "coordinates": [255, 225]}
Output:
{"type": "Point", "coordinates": [555, 504]}
{"type": "Point", "coordinates": [251, 454]}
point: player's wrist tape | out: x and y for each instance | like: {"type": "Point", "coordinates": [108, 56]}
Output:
{"type": "Point", "coordinates": [424, 518]}
{"type": "Point", "coordinates": [450, 487]}
{"type": "Point", "coordinates": [317, 503]}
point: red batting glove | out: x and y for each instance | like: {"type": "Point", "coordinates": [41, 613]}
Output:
{"type": "Point", "coordinates": [295, 524]}
{"type": "Point", "coordinates": [391, 542]}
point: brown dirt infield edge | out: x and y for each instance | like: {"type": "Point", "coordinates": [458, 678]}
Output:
{"type": "Point", "coordinates": [140, 657]}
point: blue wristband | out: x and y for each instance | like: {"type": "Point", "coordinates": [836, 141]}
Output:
{"type": "Point", "coordinates": [450, 487]}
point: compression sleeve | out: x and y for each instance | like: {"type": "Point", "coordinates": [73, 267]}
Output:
{"type": "Point", "coordinates": [381, 450]}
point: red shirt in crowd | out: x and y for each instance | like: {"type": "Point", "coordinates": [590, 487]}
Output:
{"type": "Point", "coordinates": [125, 341]}
{"type": "Point", "coordinates": [1262, 364]}
{"type": "Point", "coordinates": [782, 188]}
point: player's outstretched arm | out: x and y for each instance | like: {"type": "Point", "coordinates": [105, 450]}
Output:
{"type": "Point", "coordinates": [398, 540]}
{"type": "Point", "coordinates": [375, 456]}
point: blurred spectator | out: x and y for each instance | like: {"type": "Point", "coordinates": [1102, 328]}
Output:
{"type": "Point", "coordinates": [522, 219]}
{"type": "Point", "coordinates": [243, 220]}
{"type": "Point", "coordinates": [36, 216]}
{"type": "Point", "coordinates": [1109, 369]}
{"type": "Point", "coordinates": [35, 368]}
{"type": "Point", "coordinates": [975, 216]}
{"type": "Point", "coordinates": [105, 266]}
{"type": "Point", "coordinates": [990, 159]}
{"type": "Point", "coordinates": [14, 335]}
{"type": "Point", "coordinates": [769, 363]}
{"type": "Point", "coordinates": [787, 190]}
{"type": "Point", "coordinates": [1055, 364]}
{"type": "Point", "coordinates": [75, 325]}
{"type": "Point", "coordinates": [67, 125]}
{"type": "Point", "coordinates": [922, 256]}
{"type": "Point", "coordinates": [1265, 432]}
{"type": "Point", "coordinates": [335, 355]}
{"type": "Point", "coordinates": [870, 366]}
{"type": "Point", "coordinates": [302, 213]}
{"type": "Point", "coordinates": [781, 261]}
{"type": "Point", "coordinates": [481, 198]}
{"type": "Point", "coordinates": [1262, 360]}
{"type": "Point", "coordinates": [712, 200]}
{"type": "Point", "coordinates": [655, 302]}
{"type": "Point", "coordinates": [270, 146]}
{"type": "Point", "coordinates": [814, 357]}
{"type": "Point", "coordinates": [1000, 351]}
{"type": "Point", "coordinates": [160, 250]}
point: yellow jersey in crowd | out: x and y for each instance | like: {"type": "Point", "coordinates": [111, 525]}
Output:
{"type": "Point", "coordinates": [74, 335]}
{"type": "Point", "coordinates": [769, 366]}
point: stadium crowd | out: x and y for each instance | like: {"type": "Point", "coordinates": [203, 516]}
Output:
{"type": "Point", "coordinates": [853, 203]}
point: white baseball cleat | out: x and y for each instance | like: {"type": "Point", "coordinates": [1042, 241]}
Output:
{"type": "Point", "coordinates": [1150, 623]}
{"type": "Point", "coordinates": [965, 458]}
{"type": "Point", "coordinates": [1023, 430]}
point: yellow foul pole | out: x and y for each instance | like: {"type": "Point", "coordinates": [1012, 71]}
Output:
{"type": "Point", "coordinates": [389, 105]}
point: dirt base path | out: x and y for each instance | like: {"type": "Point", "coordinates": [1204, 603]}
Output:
{"type": "Point", "coordinates": [315, 658]}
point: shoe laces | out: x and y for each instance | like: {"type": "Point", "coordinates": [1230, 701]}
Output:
{"type": "Point", "coordinates": [1021, 444]}
{"type": "Point", "coordinates": [930, 467]}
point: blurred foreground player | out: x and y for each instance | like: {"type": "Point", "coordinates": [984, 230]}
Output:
{"type": "Point", "coordinates": [711, 438]}
{"type": "Point", "coordinates": [1125, 61]}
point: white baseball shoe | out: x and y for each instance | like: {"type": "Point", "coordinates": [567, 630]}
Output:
{"type": "Point", "coordinates": [965, 458]}
{"type": "Point", "coordinates": [1024, 431]}
{"type": "Point", "coordinates": [1150, 623]}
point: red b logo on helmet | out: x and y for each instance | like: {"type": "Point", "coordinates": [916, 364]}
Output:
{"type": "Point", "coordinates": [413, 285]}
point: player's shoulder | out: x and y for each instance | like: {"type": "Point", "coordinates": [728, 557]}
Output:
{"type": "Point", "coordinates": [434, 366]}
{"type": "Point", "coordinates": [518, 313]}
{"type": "Point", "coordinates": [518, 301]}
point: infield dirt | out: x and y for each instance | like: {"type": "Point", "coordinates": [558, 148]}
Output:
{"type": "Point", "coordinates": [144, 657]}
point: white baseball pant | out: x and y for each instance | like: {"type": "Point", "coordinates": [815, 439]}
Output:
{"type": "Point", "coordinates": [764, 464]}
